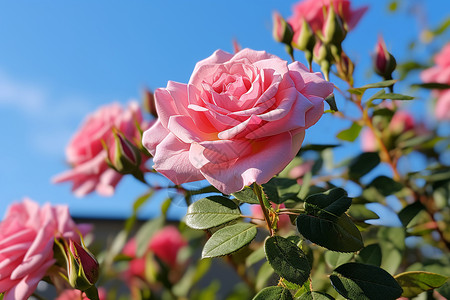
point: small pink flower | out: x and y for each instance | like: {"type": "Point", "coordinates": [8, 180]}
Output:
{"type": "Point", "coordinates": [440, 73]}
{"type": "Point", "coordinates": [312, 12]}
{"type": "Point", "coordinates": [368, 141]}
{"type": "Point", "coordinates": [78, 295]}
{"type": "Point", "coordinates": [166, 244]}
{"type": "Point", "coordinates": [230, 123]}
{"type": "Point", "coordinates": [302, 169]}
{"type": "Point", "coordinates": [87, 156]}
{"type": "Point", "coordinates": [401, 121]}
{"type": "Point", "coordinates": [27, 236]}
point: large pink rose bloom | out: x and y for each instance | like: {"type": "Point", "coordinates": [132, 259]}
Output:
{"type": "Point", "coordinates": [312, 12]}
{"type": "Point", "coordinates": [27, 234]}
{"type": "Point", "coordinates": [78, 295]}
{"type": "Point", "coordinates": [440, 73]}
{"type": "Point", "coordinates": [87, 156]}
{"type": "Point", "coordinates": [241, 119]}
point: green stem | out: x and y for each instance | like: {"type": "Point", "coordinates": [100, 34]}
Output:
{"type": "Point", "coordinates": [264, 203]}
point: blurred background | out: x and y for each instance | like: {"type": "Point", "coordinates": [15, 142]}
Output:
{"type": "Point", "coordinates": [60, 61]}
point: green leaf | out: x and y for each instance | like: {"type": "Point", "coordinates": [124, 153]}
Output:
{"type": "Point", "coordinates": [350, 134]}
{"type": "Point", "coordinates": [442, 27]}
{"type": "Point", "coordinates": [138, 203]}
{"type": "Point", "coordinates": [338, 235]}
{"type": "Point", "coordinates": [392, 243]}
{"type": "Point", "coordinates": [382, 84]}
{"type": "Point", "coordinates": [370, 255]}
{"type": "Point", "coordinates": [145, 233]}
{"type": "Point", "coordinates": [246, 195]}
{"type": "Point", "coordinates": [229, 239]}
{"type": "Point", "coordinates": [287, 259]}
{"type": "Point", "coordinates": [360, 213]}
{"type": "Point", "coordinates": [414, 283]}
{"type": "Point", "coordinates": [332, 102]}
{"type": "Point", "coordinates": [279, 190]}
{"type": "Point", "coordinates": [432, 85]}
{"type": "Point", "coordinates": [329, 205]}
{"type": "Point", "coordinates": [386, 185]}
{"type": "Point", "coordinates": [315, 296]}
{"type": "Point", "coordinates": [393, 96]}
{"type": "Point", "coordinates": [363, 164]}
{"type": "Point", "coordinates": [274, 293]}
{"type": "Point", "coordinates": [263, 275]}
{"type": "Point", "coordinates": [409, 212]}
{"type": "Point", "coordinates": [211, 211]}
{"type": "Point", "coordinates": [254, 257]}
{"type": "Point", "coordinates": [360, 281]}
{"type": "Point", "coordinates": [335, 259]}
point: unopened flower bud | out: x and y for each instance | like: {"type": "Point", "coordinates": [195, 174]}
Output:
{"type": "Point", "coordinates": [82, 267]}
{"type": "Point", "coordinates": [148, 101]}
{"type": "Point", "coordinates": [124, 156]}
{"type": "Point", "coordinates": [282, 31]}
{"type": "Point", "coordinates": [383, 63]}
{"type": "Point", "coordinates": [333, 31]}
{"type": "Point", "coordinates": [345, 68]}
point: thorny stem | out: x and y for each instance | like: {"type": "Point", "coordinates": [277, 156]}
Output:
{"type": "Point", "coordinates": [258, 192]}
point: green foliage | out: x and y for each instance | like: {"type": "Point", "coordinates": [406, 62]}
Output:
{"type": "Point", "coordinates": [246, 195]}
{"type": "Point", "coordinates": [278, 190]}
{"type": "Point", "coordinates": [392, 243]}
{"type": "Point", "coordinates": [229, 239]}
{"type": "Point", "coordinates": [414, 283]}
{"type": "Point", "coordinates": [363, 164]}
{"type": "Point", "coordinates": [287, 259]}
{"type": "Point", "coordinates": [360, 281]}
{"type": "Point", "coordinates": [361, 90]}
{"type": "Point", "coordinates": [370, 255]}
{"type": "Point", "coordinates": [350, 134]}
{"type": "Point", "coordinates": [385, 185]}
{"type": "Point", "coordinates": [325, 223]}
{"type": "Point", "coordinates": [211, 211]}
{"type": "Point", "coordinates": [274, 293]}
{"type": "Point", "coordinates": [314, 296]}
{"type": "Point", "coordinates": [145, 233]}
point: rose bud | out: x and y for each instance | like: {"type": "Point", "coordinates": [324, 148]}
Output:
{"type": "Point", "coordinates": [383, 62]}
{"type": "Point", "coordinates": [124, 156]}
{"type": "Point", "coordinates": [282, 31]}
{"type": "Point", "coordinates": [304, 40]}
{"type": "Point", "coordinates": [82, 267]}
{"type": "Point", "coordinates": [148, 101]}
{"type": "Point", "coordinates": [333, 31]}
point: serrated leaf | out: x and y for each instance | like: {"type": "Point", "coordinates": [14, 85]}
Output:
{"type": "Point", "coordinates": [350, 134]}
{"type": "Point", "coordinates": [278, 190]}
{"type": "Point", "coordinates": [335, 259]}
{"type": "Point", "coordinates": [370, 255]}
{"type": "Point", "coordinates": [338, 235]}
{"type": "Point", "coordinates": [329, 205]}
{"type": "Point", "coordinates": [274, 293]}
{"type": "Point", "coordinates": [211, 211]}
{"type": "Point", "coordinates": [360, 213]}
{"type": "Point", "coordinates": [416, 282]}
{"type": "Point", "coordinates": [363, 164]}
{"type": "Point", "coordinates": [409, 212]}
{"type": "Point", "coordinates": [287, 259]}
{"type": "Point", "coordinates": [246, 195]}
{"type": "Point", "coordinates": [360, 281]}
{"type": "Point", "coordinates": [229, 239]}
{"type": "Point", "coordinates": [386, 185]}
{"type": "Point", "coordinates": [315, 296]}
{"type": "Point", "coordinates": [381, 84]}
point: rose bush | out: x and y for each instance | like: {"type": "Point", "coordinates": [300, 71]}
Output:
{"type": "Point", "coordinates": [27, 236]}
{"type": "Point", "coordinates": [87, 156]}
{"type": "Point", "coordinates": [240, 119]}
{"type": "Point", "coordinates": [440, 73]}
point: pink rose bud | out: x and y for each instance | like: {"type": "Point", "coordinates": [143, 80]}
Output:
{"type": "Point", "coordinates": [282, 31]}
{"type": "Point", "coordinates": [384, 62]}
{"type": "Point", "coordinates": [401, 121]}
{"type": "Point", "coordinates": [149, 102]}
{"type": "Point", "coordinates": [166, 244]}
{"type": "Point", "coordinates": [333, 30]}
{"type": "Point", "coordinates": [82, 267]}
{"type": "Point", "coordinates": [124, 156]}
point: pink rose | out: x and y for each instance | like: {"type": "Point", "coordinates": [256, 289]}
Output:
{"type": "Point", "coordinates": [440, 73]}
{"type": "Point", "coordinates": [166, 244]}
{"type": "Point", "coordinates": [78, 295]}
{"type": "Point", "coordinates": [241, 119]}
{"type": "Point", "coordinates": [368, 141]}
{"type": "Point", "coordinates": [312, 12]}
{"type": "Point", "coordinates": [27, 234]}
{"type": "Point", "coordinates": [85, 152]}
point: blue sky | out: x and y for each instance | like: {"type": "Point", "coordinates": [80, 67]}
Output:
{"type": "Point", "coordinates": [61, 60]}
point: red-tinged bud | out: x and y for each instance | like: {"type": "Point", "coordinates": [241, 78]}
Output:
{"type": "Point", "coordinates": [148, 101]}
{"type": "Point", "coordinates": [282, 31]}
{"type": "Point", "coordinates": [345, 68]}
{"type": "Point", "coordinates": [383, 62]}
{"type": "Point", "coordinates": [333, 31]}
{"type": "Point", "coordinates": [401, 121]}
{"type": "Point", "coordinates": [124, 156]}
